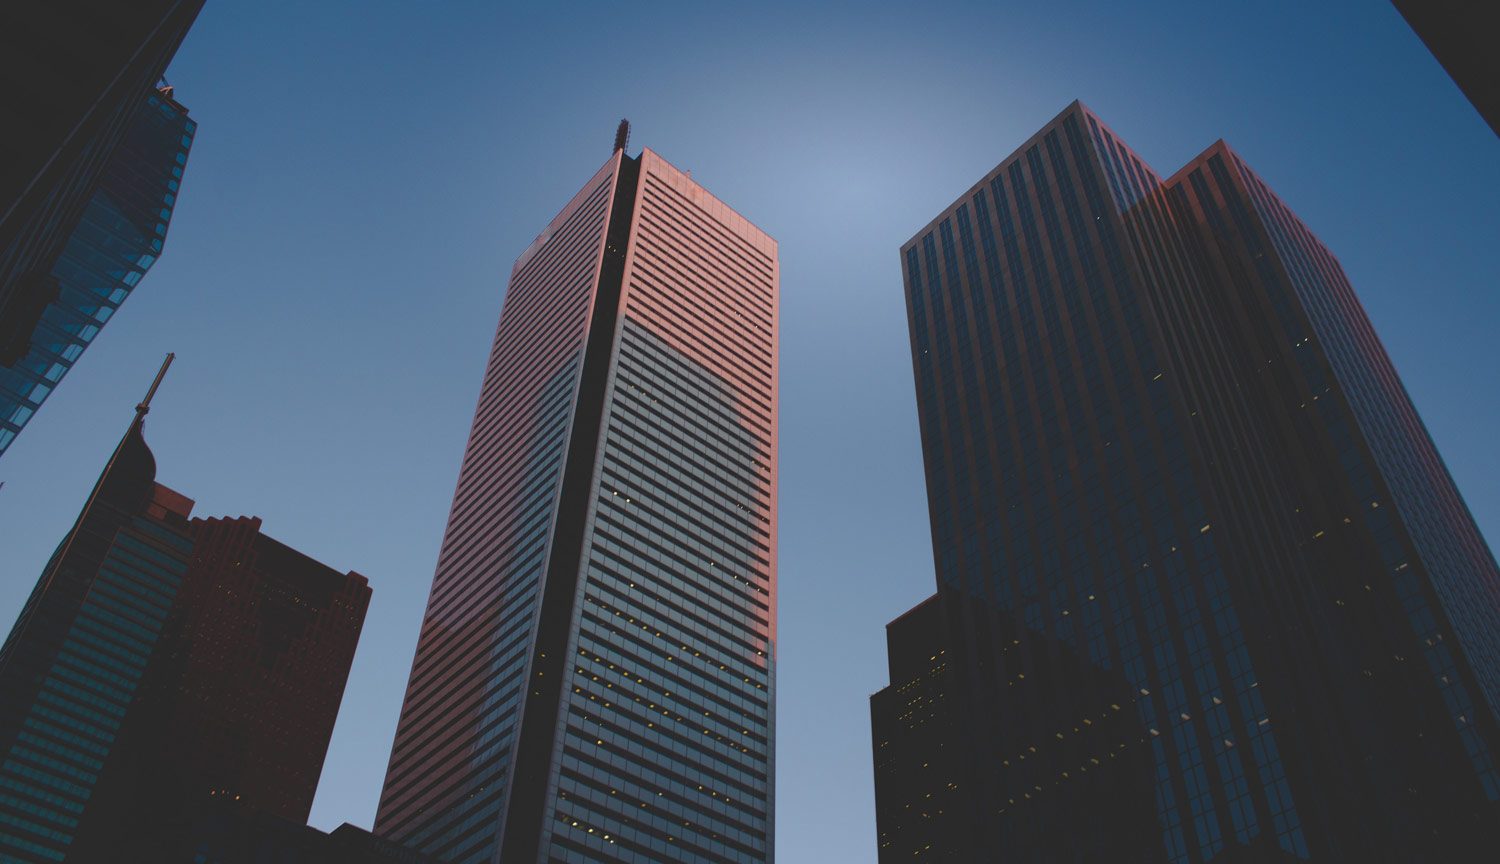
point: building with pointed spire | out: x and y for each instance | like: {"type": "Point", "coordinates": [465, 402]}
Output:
{"type": "Point", "coordinates": [595, 674]}
{"type": "Point", "coordinates": [161, 662]}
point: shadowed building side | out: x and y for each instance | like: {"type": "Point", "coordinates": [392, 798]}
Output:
{"type": "Point", "coordinates": [1060, 484]}
{"type": "Point", "coordinates": [1380, 570]}
{"type": "Point", "coordinates": [1158, 428]}
{"type": "Point", "coordinates": [228, 832]}
{"type": "Point", "coordinates": [998, 743]}
{"type": "Point", "coordinates": [925, 801]}
{"type": "Point", "coordinates": [1457, 35]}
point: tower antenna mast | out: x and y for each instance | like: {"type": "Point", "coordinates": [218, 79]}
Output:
{"type": "Point", "coordinates": [145, 404]}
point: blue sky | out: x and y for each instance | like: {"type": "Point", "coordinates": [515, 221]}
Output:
{"type": "Point", "coordinates": [365, 172]}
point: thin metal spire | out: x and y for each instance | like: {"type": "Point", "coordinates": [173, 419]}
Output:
{"type": "Point", "coordinates": [88, 506]}
{"type": "Point", "coordinates": [622, 135]}
{"type": "Point", "coordinates": [145, 404]}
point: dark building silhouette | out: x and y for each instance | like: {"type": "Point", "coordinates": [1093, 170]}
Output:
{"type": "Point", "coordinates": [163, 662]}
{"type": "Point", "coordinates": [87, 66]}
{"type": "Point", "coordinates": [924, 795]}
{"type": "Point", "coordinates": [1158, 427]}
{"type": "Point", "coordinates": [994, 738]}
{"type": "Point", "coordinates": [77, 656]}
{"type": "Point", "coordinates": [227, 832]}
{"type": "Point", "coordinates": [241, 696]}
{"type": "Point", "coordinates": [262, 639]}
{"type": "Point", "coordinates": [595, 673]}
{"type": "Point", "coordinates": [116, 239]}
{"type": "Point", "coordinates": [1462, 35]}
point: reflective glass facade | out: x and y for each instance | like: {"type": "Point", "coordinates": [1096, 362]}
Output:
{"type": "Point", "coordinates": [1158, 428]}
{"type": "Point", "coordinates": [595, 676]}
{"type": "Point", "coordinates": [116, 240]}
{"type": "Point", "coordinates": [86, 65]}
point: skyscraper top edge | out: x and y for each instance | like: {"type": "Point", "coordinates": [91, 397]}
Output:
{"type": "Point", "coordinates": [291, 558]}
{"type": "Point", "coordinates": [728, 216]}
{"type": "Point", "coordinates": [169, 500]}
{"type": "Point", "coordinates": [1246, 175]}
{"type": "Point", "coordinates": [900, 629]}
{"type": "Point", "coordinates": [1083, 111]}
{"type": "Point", "coordinates": [1076, 107]}
{"type": "Point", "coordinates": [609, 167]}
{"type": "Point", "coordinates": [1219, 147]}
{"type": "Point", "coordinates": [915, 611]}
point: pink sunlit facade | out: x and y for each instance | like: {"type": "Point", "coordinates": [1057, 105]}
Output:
{"type": "Point", "coordinates": [594, 678]}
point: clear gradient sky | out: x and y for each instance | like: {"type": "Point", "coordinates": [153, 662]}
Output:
{"type": "Point", "coordinates": [365, 172]}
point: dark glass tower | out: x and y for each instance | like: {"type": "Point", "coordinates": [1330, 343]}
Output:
{"type": "Point", "coordinates": [595, 674]}
{"type": "Point", "coordinates": [87, 65]}
{"type": "Point", "coordinates": [1158, 429]}
{"type": "Point", "coordinates": [1455, 32]}
{"type": "Point", "coordinates": [160, 663]}
{"type": "Point", "coordinates": [116, 240]}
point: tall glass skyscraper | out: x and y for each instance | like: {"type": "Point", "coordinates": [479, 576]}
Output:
{"type": "Point", "coordinates": [594, 679]}
{"type": "Point", "coordinates": [87, 65]}
{"type": "Point", "coordinates": [108, 250]}
{"type": "Point", "coordinates": [1160, 432]}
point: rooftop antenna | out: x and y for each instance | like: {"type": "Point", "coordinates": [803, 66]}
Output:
{"type": "Point", "coordinates": [135, 425]}
{"type": "Point", "coordinates": [145, 404]}
{"type": "Point", "coordinates": [622, 135]}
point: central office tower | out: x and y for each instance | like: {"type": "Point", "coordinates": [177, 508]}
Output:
{"type": "Point", "coordinates": [594, 680]}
